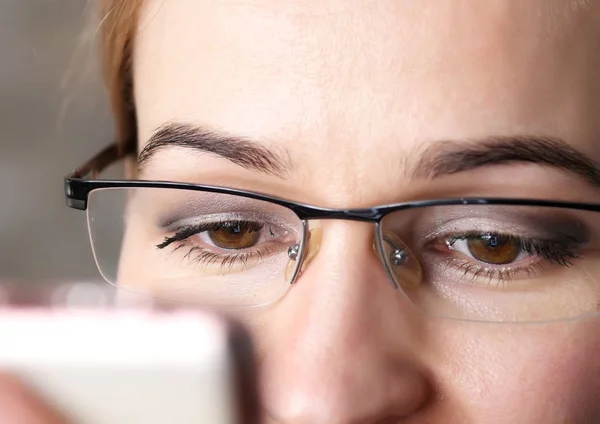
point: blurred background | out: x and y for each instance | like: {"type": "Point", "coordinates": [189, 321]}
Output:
{"type": "Point", "coordinates": [54, 115]}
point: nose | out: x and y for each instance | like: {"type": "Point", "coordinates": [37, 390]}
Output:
{"type": "Point", "coordinates": [342, 347]}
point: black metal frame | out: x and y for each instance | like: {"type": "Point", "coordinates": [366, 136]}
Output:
{"type": "Point", "coordinates": [78, 188]}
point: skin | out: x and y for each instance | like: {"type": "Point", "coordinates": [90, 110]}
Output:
{"type": "Point", "coordinates": [355, 91]}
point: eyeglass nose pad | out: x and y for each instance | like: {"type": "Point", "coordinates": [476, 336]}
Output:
{"type": "Point", "coordinates": [402, 264]}
{"type": "Point", "coordinates": [312, 247]}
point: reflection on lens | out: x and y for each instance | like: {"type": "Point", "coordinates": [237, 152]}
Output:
{"type": "Point", "coordinates": [194, 246]}
{"type": "Point", "coordinates": [496, 262]}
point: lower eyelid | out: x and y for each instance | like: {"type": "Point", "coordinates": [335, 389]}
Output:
{"type": "Point", "coordinates": [498, 275]}
{"type": "Point", "coordinates": [470, 267]}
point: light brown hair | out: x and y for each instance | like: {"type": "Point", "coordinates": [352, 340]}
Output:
{"type": "Point", "coordinates": [118, 25]}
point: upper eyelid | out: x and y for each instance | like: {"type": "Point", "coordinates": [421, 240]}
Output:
{"type": "Point", "coordinates": [170, 222]}
{"type": "Point", "coordinates": [539, 229]}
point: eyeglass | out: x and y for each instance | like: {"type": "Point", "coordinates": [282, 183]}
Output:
{"type": "Point", "coordinates": [476, 259]}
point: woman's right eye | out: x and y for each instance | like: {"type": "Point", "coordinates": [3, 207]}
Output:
{"type": "Point", "coordinates": [226, 235]}
{"type": "Point", "coordinates": [233, 235]}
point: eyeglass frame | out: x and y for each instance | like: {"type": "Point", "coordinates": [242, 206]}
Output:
{"type": "Point", "coordinates": [77, 189]}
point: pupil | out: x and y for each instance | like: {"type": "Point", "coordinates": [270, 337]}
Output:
{"type": "Point", "coordinates": [493, 240]}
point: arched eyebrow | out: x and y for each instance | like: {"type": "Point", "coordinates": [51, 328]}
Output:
{"type": "Point", "coordinates": [451, 157]}
{"type": "Point", "coordinates": [439, 159]}
{"type": "Point", "coordinates": [247, 153]}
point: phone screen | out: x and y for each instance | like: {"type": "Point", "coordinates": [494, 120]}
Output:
{"type": "Point", "coordinates": [99, 361]}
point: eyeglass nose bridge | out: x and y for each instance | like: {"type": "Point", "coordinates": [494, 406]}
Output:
{"type": "Point", "coordinates": [398, 259]}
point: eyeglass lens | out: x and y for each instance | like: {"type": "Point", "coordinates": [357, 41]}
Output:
{"type": "Point", "coordinates": [472, 262]}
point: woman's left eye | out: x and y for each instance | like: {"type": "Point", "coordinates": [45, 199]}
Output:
{"type": "Point", "coordinates": [489, 248]}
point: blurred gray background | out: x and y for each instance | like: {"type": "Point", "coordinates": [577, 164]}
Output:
{"type": "Point", "coordinates": [53, 116]}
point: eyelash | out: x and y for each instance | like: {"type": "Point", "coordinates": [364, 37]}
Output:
{"type": "Point", "coordinates": [208, 258]}
{"type": "Point", "coordinates": [561, 253]}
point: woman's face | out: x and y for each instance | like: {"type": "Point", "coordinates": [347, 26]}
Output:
{"type": "Point", "coordinates": [363, 103]}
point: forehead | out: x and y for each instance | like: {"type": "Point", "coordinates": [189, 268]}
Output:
{"type": "Point", "coordinates": [318, 74]}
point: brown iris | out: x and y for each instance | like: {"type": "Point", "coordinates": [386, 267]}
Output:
{"type": "Point", "coordinates": [494, 249]}
{"type": "Point", "coordinates": [235, 236]}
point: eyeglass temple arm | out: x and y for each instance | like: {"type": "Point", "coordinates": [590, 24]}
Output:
{"type": "Point", "coordinates": [77, 187]}
{"type": "Point", "coordinates": [99, 162]}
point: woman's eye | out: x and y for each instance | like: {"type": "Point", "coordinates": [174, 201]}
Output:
{"type": "Point", "coordinates": [235, 236]}
{"type": "Point", "coordinates": [492, 249]}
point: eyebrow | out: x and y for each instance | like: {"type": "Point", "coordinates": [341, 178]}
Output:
{"type": "Point", "coordinates": [440, 158]}
{"type": "Point", "coordinates": [247, 153]}
{"type": "Point", "coordinates": [452, 157]}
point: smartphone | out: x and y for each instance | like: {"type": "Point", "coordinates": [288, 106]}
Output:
{"type": "Point", "coordinates": [108, 365]}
